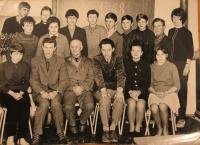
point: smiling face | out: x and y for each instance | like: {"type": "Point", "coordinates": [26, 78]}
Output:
{"type": "Point", "coordinates": [45, 14]}
{"type": "Point", "coordinates": [16, 56]}
{"type": "Point", "coordinates": [23, 11]}
{"type": "Point", "coordinates": [53, 28]}
{"type": "Point", "coordinates": [48, 49]}
{"type": "Point", "coordinates": [71, 20]}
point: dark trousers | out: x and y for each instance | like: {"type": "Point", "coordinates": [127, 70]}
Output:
{"type": "Point", "coordinates": [17, 114]}
{"type": "Point", "coordinates": [182, 94]}
{"type": "Point", "coordinates": [86, 104]}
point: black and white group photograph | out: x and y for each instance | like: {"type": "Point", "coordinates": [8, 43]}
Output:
{"type": "Point", "coordinates": [91, 72]}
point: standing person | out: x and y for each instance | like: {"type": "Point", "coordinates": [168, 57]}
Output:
{"type": "Point", "coordinates": [27, 38]}
{"type": "Point", "coordinates": [12, 24]}
{"type": "Point", "coordinates": [72, 31]}
{"type": "Point", "coordinates": [48, 82]}
{"type": "Point", "coordinates": [113, 34]}
{"type": "Point", "coordinates": [164, 88]}
{"type": "Point", "coordinates": [14, 83]}
{"type": "Point", "coordinates": [146, 36]}
{"type": "Point", "coordinates": [80, 72]}
{"type": "Point", "coordinates": [182, 51]}
{"type": "Point", "coordinates": [128, 37]}
{"type": "Point", "coordinates": [138, 78]}
{"type": "Point", "coordinates": [62, 44]}
{"type": "Point", "coordinates": [94, 32]}
{"type": "Point", "coordinates": [42, 27]}
{"type": "Point", "coordinates": [161, 40]}
{"type": "Point", "coordinates": [110, 79]}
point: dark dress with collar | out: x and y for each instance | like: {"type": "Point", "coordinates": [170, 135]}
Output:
{"type": "Point", "coordinates": [138, 77]}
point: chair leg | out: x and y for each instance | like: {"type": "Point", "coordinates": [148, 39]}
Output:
{"type": "Point", "coordinates": [96, 118]}
{"type": "Point", "coordinates": [65, 130]}
{"type": "Point", "coordinates": [91, 124]}
{"type": "Point", "coordinates": [3, 125]}
{"type": "Point", "coordinates": [148, 117]}
{"type": "Point", "coordinates": [122, 121]}
{"type": "Point", "coordinates": [30, 129]}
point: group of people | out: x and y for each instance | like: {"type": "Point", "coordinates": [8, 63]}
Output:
{"type": "Point", "coordinates": [63, 66]}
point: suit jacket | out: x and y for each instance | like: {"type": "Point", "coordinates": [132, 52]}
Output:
{"type": "Point", "coordinates": [79, 34]}
{"type": "Point", "coordinates": [54, 78]}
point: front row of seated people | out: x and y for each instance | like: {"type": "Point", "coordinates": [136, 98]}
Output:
{"type": "Point", "coordinates": [57, 84]}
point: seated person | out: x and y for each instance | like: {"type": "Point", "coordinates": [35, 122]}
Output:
{"type": "Point", "coordinates": [138, 76]}
{"type": "Point", "coordinates": [48, 81]}
{"type": "Point", "coordinates": [110, 80]}
{"type": "Point", "coordinates": [14, 82]}
{"type": "Point", "coordinates": [27, 38]}
{"type": "Point", "coordinates": [62, 44]}
{"type": "Point", "coordinates": [80, 72]}
{"type": "Point", "coordinates": [165, 85]}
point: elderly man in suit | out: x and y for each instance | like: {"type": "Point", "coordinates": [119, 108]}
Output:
{"type": "Point", "coordinates": [80, 71]}
{"type": "Point", "coordinates": [48, 81]}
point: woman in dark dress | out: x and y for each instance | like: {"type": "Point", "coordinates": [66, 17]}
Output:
{"type": "Point", "coordinates": [14, 82]}
{"type": "Point", "coordinates": [137, 83]}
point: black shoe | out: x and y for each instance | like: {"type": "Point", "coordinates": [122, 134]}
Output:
{"type": "Point", "coordinates": [36, 140]}
{"type": "Point", "coordinates": [62, 139]}
{"type": "Point", "coordinates": [106, 137]}
{"type": "Point", "coordinates": [113, 136]}
{"type": "Point", "coordinates": [82, 128]}
{"type": "Point", "coordinates": [73, 130]}
{"type": "Point", "coordinates": [130, 137]}
{"type": "Point", "coordinates": [138, 134]}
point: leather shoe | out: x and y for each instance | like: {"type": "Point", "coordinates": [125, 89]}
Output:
{"type": "Point", "coordinates": [82, 128]}
{"type": "Point", "coordinates": [73, 130]}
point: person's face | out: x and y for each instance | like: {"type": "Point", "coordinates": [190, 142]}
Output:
{"type": "Point", "coordinates": [45, 15]}
{"type": "Point", "coordinates": [136, 52]}
{"type": "Point", "coordinates": [23, 11]}
{"type": "Point", "coordinates": [158, 28]}
{"type": "Point", "coordinates": [177, 21]}
{"type": "Point", "coordinates": [107, 50]}
{"type": "Point", "coordinates": [53, 28]}
{"type": "Point", "coordinates": [161, 57]}
{"type": "Point", "coordinates": [92, 19]}
{"type": "Point", "coordinates": [71, 20]}
{"type": "Point", "coordinates": [48, 49]}
{"type": "Point", "coordinates": [76, 48]}
{"type": "Point", "coordinates": [126, 25]}
{"type": "Point", "coordinates": [110, 23]}
{"type": "Point", "coordinates": [28, 28]}
{"type": "Point", "coordinates": [142, 24]}
{"type": "Point", "coordinates": [16, 56]}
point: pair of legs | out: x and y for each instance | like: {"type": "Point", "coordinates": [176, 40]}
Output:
{"type": "Point", "coordinates": [42, 110]}
{"type": "Point", "coordinates": [105, 105]}
{"type": "Point", "coordinates": [160, 115]}
{"type": "Point", "coordinates": [135, 113]}
{"type": "Point", "coordinates": [86, 104]}
{"type": "Point", "coordinates": [17, 115]}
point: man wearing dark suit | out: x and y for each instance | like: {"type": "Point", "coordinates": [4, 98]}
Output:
{"type": "Point", "coordinates": [72, 31]}
{"type": "Point", "coordinates": [48, 81]}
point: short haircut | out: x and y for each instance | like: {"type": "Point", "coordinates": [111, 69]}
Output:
{"type": "Point", "coordinates": [141, 16]}
{"type": "Point", "coordinates": [127, 17]}
{"type": "Point", "coordinates": [164, 50]}
{"type": "Point", "coordinates": [49, 40]}
{"type": "Point", "coordinates": [93, 11]}
{"type": "Point", "coordinates": [24, 5]}
{"type": "Point", "coordinates": [135, 42]}
{"type": "Point", "coordinates": [16, 47]}
{"type": "Point", "coordinates": [27, 19]}
{"type": "Point", "coordinates": [181, 13]}
{"type": "Point", "coordinates": [158, 20]}
{"type": "Point", "coordinates": [72, 12]}
{"type": "Point", "coordinates": [53, 19]}
{"type": "Point", "coordinates": [46, 8]}
{"type": "Point", "coordinates": [111, 16]}
{"type": "Point", "coordinates": [106, 41]}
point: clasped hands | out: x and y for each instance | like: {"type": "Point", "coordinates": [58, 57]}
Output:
{"type": "Point", "coordinates": [49, 95]}
{"type": "Point", "coordinates": [134, 94]}
{"type": "Point", "coordinates": [119, 96]}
